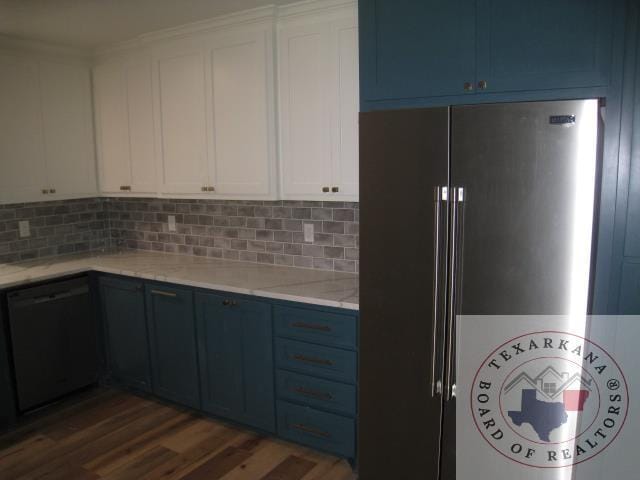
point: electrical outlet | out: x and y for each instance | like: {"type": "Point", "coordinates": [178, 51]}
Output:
{"type": "Point", "coordinates": [171, 219]}
{"type": "Point", "coordinates": [25, 229]}
{"type": "Point", "coordinates": [308, 232]}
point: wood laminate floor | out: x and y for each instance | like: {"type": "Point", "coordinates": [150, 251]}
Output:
{"type": "Point", "coordinates": [108, 434]}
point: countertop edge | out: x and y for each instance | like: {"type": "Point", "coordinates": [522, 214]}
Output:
{"type": "Point", "coordinates": [180, 281]}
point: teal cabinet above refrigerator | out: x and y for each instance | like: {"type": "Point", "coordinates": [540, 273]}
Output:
{"type": "Point", "coordinates": [428, 49]}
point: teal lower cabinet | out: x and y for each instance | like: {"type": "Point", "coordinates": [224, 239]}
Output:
{"type": "Point", "coordinates": [123, 313]}
{"type": "Point", "coordinates": [235, 346]}
{"type": "Point", "coordinates": [172, 342]}
{"type": "Point", "coordinates": [277, 367]}
{"type": "Point", "coordinates": [316, 378]}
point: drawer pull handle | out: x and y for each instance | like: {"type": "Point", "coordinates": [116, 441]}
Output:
{"type": "Point", "coordinates": [319, 361]}
{"type": "Point", "coordinates": [313, 393]}
{"type": "Point", "coordinates": [311, 326]}
{"type": "Point", "coordinates": [163, 293]}
{"type": "Point", "coordinates": [313, 431]}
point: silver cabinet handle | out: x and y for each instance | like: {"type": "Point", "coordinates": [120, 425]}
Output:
{"type": "Point", "coordinates": [164, 294]}
{"type": "Point", "coordinates": [440, 196]}
{"type": "Point", "coordinates": [457, 198]}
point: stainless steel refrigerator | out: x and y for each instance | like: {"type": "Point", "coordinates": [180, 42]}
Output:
{"type": "Point", "coordinates": [478, 210]}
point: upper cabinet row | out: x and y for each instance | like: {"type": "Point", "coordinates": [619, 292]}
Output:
{"type": "Point", "coordinates": [46, 132]}
{"type": "Point", "coordinates": [196, 115]}
{"type": "Point", "coordinates": [426, 49]}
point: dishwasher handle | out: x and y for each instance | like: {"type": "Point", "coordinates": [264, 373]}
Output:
{"type": "Point", "coordinates": [51, 297]}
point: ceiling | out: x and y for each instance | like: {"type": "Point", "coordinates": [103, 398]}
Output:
{"type": "Point", "coordinates": [90, 24]}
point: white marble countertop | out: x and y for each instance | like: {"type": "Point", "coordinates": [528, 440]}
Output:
{"type": "Point", "coordinates": [317, 287]}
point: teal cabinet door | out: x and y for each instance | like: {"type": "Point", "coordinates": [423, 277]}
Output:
{"type": "Point", "coordinates": [236, 359]}
{"type": "Point", "coordinates": [172, 340]}
{"type": "Point", "coordinates": [416, 48]}
{"type": "Point", "coordinates": [123, 313]}
{"type": "Point", "coordinates": [543, 44]}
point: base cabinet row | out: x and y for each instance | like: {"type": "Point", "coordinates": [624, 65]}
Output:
{"type": "Point", "coordinates": [217, 353]}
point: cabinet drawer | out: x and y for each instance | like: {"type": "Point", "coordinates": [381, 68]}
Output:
{"type": "Point", "coordinates": [315, 326]}
{"type": "Point", "coordinates": [327, 362]}
{"type": "Point", "coordinates": [324, 431]}
{"type": "Point", "coordinates": [317, 393]}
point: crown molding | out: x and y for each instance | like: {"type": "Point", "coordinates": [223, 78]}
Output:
{"type": "Point", "coordinates": [306, 7]}
{"type": "Point", "coordinates": [245, 17]}
{"type": "Point", "coordinates": [43, 49]}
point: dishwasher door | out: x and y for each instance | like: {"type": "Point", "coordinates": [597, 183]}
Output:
{"type": "Point", "coordinates": [54, 343]}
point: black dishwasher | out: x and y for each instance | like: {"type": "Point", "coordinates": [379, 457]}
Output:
{"type": "Point", "coordinates": [53, 337]}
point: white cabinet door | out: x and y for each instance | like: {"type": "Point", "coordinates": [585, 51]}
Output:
{"type": "Point", "coordinates": [142, 156]}
{"type": "Point", "coordinates": [305, 120]}
{"type": "Point", "coordinates": [242, 115]}
{"type": "Point", "coordinates": [318, 67]}
{"type": "Point", "coordinates": [345, 114]}
{"type": "Point", "coordinates": [182, 120]}
{"type": "Point", "coordinates": [112, 129]}
{"type": "Point", "coordinates": [22, 167]}
{"type": "Point", "coordinates": [68, 130]}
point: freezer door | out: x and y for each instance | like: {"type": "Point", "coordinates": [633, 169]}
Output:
{"type": "Point", "coordinates": [403, 159]}
{"type": "Point", "coordinates": [528, 172]}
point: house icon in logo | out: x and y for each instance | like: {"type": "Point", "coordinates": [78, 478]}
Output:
{"type": "Point", "coordinates": [540, 405]}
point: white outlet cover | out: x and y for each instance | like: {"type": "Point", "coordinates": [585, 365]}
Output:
{"type": "Point", "coordinates": [24, 228]}
{"type": "Point", "coordinates": [171, 219]}
{"type": "Point", "coordinates": [308, 232]}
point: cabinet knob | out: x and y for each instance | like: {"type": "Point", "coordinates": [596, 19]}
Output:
{"type": "Point", "coordinates": [204, 189]}
{"type": "Point", "coordinates": [325, 189]}
{"type": "Point", "coordinates": [125, 188]}
{"type": "Point", "coordinates": [45, 191]}
{"type": "Point", "coordinates": [52, 190]}
{"type": "Point", "coordinates": [211, 189]}
{"type": "Point", "coordinates": [468, 86]}
{"type": "Point", "coordinates": [335, 189]}
{"type": "Point", "coordinates": [482, 84]}
{"type": "Point", "coordinates": [226, 302]}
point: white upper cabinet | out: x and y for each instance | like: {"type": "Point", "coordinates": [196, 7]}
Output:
{"type": "Point", "coordinates": [215, 124]}
{"type": "Point", "coordinates": [46, 132]}
{"type": "Point", "coordinates": [305, 117]}
{"type": "Point", "coordinates": [124, 121]}
{"type": "Point", "coordinates": [22, 172]}
{"type": "Point", "coordinates": [242, 114]}
{"type": "Point", "coordinates": [182, 120]}
{"type": "Point", "coordinates": [318, 101]}
{"type": "Point", "coordinates": [68, 129]}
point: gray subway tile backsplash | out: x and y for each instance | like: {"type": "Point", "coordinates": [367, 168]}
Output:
{"type": "Point", "coordinates": [268, 232]}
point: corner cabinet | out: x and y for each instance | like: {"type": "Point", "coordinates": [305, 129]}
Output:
{"type": "Point", "coordinates": [172, 343]}
{"type": "Point", "coordinates": [215, 114]}
{"type": "Point", "coordinates": [318, 104]}
{"type": "Point", "coordinates": [123, 106]}
{"type": "Point", "coordinates": [46, 135]}
{"type": "Point", "coordinates": [236, 359]}
{"type": "Point", "coordinates": [433, 48]}
{"type": "Point", "coordinates": [123, 314]}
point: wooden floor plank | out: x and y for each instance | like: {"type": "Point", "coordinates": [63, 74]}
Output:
{"type": "Point", "coordinates": [187, 461]}
{"type": "Point", "coordinates": [292, 468]}
{"type": "Point", "coordinates": [219, 465]}
{"type": "Point", "coordinates": [142, 464]}
{"type": "Point", "coordinates": [113, 435]}
{"type": "Point", "coordinates": [110, 460]}
{"type": "Point", "coordinates": [264, 459]}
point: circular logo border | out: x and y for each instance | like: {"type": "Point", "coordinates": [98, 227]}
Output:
{"type": "Point", "coordinates": [475, 377]}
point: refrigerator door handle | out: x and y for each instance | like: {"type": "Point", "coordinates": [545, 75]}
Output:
{"type": "Point", "coordinates": [440, 196]}
{"type": "Point", "coordinates": [457, 198]}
